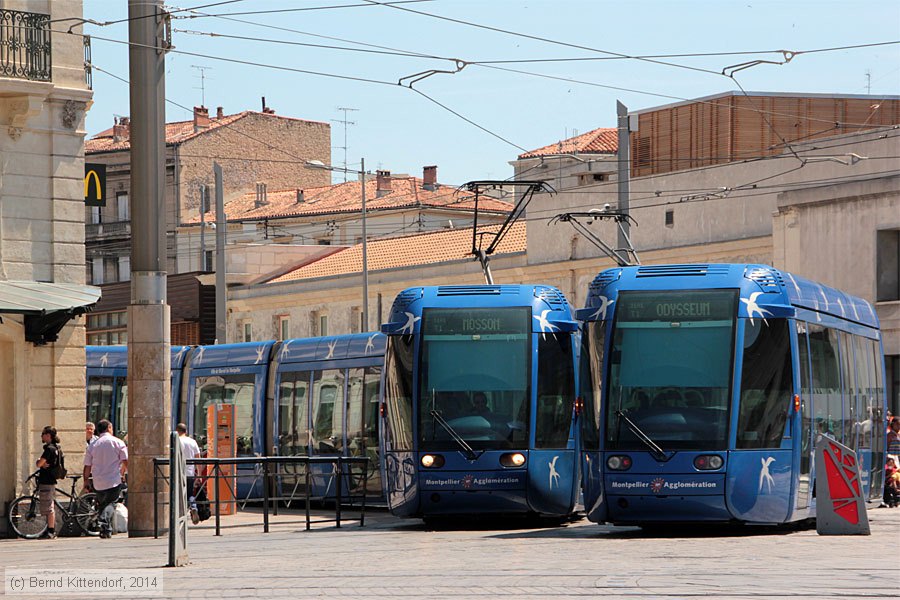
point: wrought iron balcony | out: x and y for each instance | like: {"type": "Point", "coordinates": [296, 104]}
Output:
{"type": "Point", "coordinates": [24, 45]}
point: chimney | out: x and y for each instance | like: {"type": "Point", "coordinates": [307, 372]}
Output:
{"type": "Point", "coordinates": [383, 180]}
{"type": "Point", "coordinates": [121, 129]}
{"type": "Point", "coordinates": [261, 199]}
{"type": "Point", "coordinates": [429, 178]}
{"type": "Point", "coordinates": [299, 196]}
{"type": "Point", "coordinates": [220, 112]}
{"type": "Point", "coordinates": [201, 118]}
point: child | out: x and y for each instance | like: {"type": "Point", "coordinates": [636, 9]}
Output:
{"type": "Point", "coordinates": [892, 482]}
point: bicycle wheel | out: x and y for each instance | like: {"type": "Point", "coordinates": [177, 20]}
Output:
{"type": "Point", "coordinates": [86, 514]}
{"type": "Point", "coordinates": [25, 517]}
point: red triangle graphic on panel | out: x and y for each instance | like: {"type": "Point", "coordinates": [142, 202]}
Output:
{"type": "Point", "coordinates": [840, 481]}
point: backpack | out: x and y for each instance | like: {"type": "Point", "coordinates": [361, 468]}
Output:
{"type": "Point", "coordinates": [58, 471]}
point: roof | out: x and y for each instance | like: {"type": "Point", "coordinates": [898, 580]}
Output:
{"type": "Point", "coordinates": [603, 140]}
{"type": "Point", "coordinates": [37, 298]}
{"type": "Point", "coordinates": [406, 192]}
{"type": "Point", "coordinates": [407, 251]}
{"type": "Point", "coordinates": [176, 133]}
{"type": "Point", "coordinates": [728, 94]}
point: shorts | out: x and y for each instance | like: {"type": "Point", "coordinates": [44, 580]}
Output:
{"type": "Point", "coordinates": [45, 494]}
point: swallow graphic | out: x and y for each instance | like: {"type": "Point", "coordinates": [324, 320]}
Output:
{"type": "Point", "coordinates": [331, 346]}
{"type": "Point", "coordinates": [554, 474]}
{"type": "Point", "coordinates": [764, 477]}
{"type": "Point", "coordinates": [199, 358]}
{"type": "Point", "coordinates": [544, 323]}
{"type": "Point", "coordinates": [601, 312]}
{"type": "Point", "coordinates": [370, 343]}
{"type": "Point", "coordinates": [259, 354]}
{"type": "Point", "coordinates": [104, 360]}
{"type": "Point", "coordinates": [410, 323]}
{"type": "Point", "coordinates": [753, 307]}
{"type": "Point", "coordinates": [285, 349]}
{"type": "Point", "coordinates": [841, 306]}
{"type": "Point", "coordinates": [179, 354]}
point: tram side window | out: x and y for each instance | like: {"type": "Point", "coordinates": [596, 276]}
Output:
{"type": "Point", "coordinates": [230, 389]}
{"type": "Point", "coordinates": [371, 397]}
{"type": "Point", "coordinates": [327, 412]}
{"type": "Point", "coordinates": [766, 384]}
{"type": "Point", "coordinates": [99, 398]}
{"type": "Point", "coordinates": [398, 391]}
{"type": "Point", "coordinates": [555, 391]}
{"type": "Point", "coordinates": [293, 430]}
{"type": "Point", "coordinates": [865, 374]}
{"type": "Point", "coordinates": [878, 430]}
{"type": "Point", "coordinates": [120, 423]}
{"type": "Point", "coordinates": [592, 382]}
{"type": "Point", "coordinates": [355, 408]}
{"type": "Point", "coordinates": [826, 382]}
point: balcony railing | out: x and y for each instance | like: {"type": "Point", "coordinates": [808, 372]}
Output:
{"type": "Point", "coordinates": [25, 45]}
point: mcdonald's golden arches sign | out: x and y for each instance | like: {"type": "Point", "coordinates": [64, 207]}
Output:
{"type": "Point", "coordinates": [94, 184]}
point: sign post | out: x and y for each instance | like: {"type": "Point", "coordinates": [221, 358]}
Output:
{"type": "Point", "coordinates": [178, 504]}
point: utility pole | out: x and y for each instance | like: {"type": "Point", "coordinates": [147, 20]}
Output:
{"type": "Point", "coordinates": [221, 226]}
{"type": "Point", "coordinates": [868, 82]}
{"type": "Point", "coordinates": [624, 172]}
{"type": "Point", "coordinates": [149, 375]}
{"type": "Point", "coordinates": [365, 243]}
{"type": "Point", "coordinates": [346, 123]}
{"type": "Point", "coordinates": [204, 202]}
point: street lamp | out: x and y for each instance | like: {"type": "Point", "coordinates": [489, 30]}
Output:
{"type": "Point", "coordinates": [318, 164]}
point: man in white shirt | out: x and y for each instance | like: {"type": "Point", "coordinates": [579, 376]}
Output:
{"type": "Point", "coordinates": [189, 449]}
{"type": "Point", "coordinates": [106, 461]}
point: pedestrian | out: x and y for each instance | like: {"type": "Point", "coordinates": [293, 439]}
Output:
{"type": "Point", "coordinates": [106, 461]}
{"type": "Point", "coordinates": [893, 437]}
{"type": "Point", "coordinates": [89, 437]}
{"type": "Point", "coordinates": [189, 449]}
{"type": "Point", "coordinates": [891, 483]}
{"type": "Point", "coordinates": [46, 465]}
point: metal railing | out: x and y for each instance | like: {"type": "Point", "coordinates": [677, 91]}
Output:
{"type": "Point", "coordinates": [25, 45]}
{"type": "Point", "coordinates": [273, 476]}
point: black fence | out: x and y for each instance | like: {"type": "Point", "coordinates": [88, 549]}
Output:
{"type": "Point", "coordinates": [25, 45]}
{"type": "Point", "coordinates": [277, 480]}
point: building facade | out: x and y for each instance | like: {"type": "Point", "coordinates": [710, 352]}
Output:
{"type": "Point", "coordinates": [43, 100]}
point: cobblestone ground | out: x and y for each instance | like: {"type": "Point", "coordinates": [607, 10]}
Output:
{"type": "Point", "coordinates": [407, 559]}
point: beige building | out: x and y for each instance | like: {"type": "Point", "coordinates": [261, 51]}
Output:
{"type": "Point", "coordinates": [42, 110]}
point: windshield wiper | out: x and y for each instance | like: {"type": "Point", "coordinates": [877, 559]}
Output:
{"type": "Point", "coordinates": [655, 450]}
{"type": "Point", "coordinates": [469, 451]}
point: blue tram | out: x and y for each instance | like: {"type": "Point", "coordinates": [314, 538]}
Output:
{"type": "Point", "coordinates": [706, 388]}
{"type": "Point", "coordinates": [479, 402]}
{"type": "Point", "coordinates": [315, 396]}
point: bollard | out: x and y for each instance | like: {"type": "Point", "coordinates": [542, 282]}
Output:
{"type": "Point", "coordinates": [265, 496]}
{"type": "Point", "coordinates": [337, 491]}
{"type": "Point", "coordinates": [216, 480]}
{"type": "Point", "coordinates": [155, 500]}
{"type": "Point", "coordinates": [307, 495]}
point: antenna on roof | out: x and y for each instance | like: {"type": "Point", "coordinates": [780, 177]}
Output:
{"type": "Point", "coordinates": [202, 87]}
{"type": "Point", "coordinates": [345, 123]}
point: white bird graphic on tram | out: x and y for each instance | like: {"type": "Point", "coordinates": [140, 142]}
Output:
{"type": "Point", "coordinates": [765, 478]}
{"type": "Point", "coordinates": [370, 343]}
{"type": "Point", "coordinates": [410, 323]}
{"type": "Point", "coordinates": [554, 474]}
{"type": "Point", "coordinates": [753, 307]}
{"type": "Point", "coordinates": [544, 323]}
{"type": "Point", "coordinates": [601, 312]}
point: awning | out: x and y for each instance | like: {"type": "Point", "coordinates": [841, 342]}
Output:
{"type": "Point", "coordinates": [47, 306]}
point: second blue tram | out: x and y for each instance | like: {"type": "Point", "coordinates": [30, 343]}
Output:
{"type": "Point", "coordinates": [479, 402]}
{"type": "Point", "coordinates": [706, 388]}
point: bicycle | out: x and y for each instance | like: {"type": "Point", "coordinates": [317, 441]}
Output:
{"type": "Point", "coordinates": [26, 520]}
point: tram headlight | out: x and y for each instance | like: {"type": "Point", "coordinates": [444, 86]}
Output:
{"type": "Point", "coordinates": [432, 461]}
{"type": "Point", "coordinates": [514, 459]}
{"type": "Point", "coordinates": [708, 462]}
{"type": "Point", "coordinates": [618, 463]}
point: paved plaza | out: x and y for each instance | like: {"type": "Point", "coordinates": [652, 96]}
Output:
{"type": "Point", "coordinates": [390, 558]}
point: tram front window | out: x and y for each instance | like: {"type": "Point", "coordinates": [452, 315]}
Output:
{"type": "Point", "coordinates": [670, 369]}
{"type": "Point", "coordinates": [474, 376]}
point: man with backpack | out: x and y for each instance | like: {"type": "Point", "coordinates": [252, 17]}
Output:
{"type": "Point", "coordinates": [106, 460]}
{"type": "Point", "coordinates": [52, 467]}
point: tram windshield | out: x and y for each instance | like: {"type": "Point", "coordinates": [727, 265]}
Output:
{"type": "Point", "coordinates": [670, 368]}
{"type": "Point", "coordinates": [474, 374]}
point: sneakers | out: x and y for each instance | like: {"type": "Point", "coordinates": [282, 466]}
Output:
{"type": "Point", "coordinates": [195, 516]}
{"type": "Point", "coordinates": [105, 535]}
{"type": "Point", "coordinates": [48, 535]}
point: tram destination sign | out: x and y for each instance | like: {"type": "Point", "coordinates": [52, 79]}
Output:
{"type": "Point", "coordinates": [475, 321]}
{"type": "Point", "coordinates": [704, 305]}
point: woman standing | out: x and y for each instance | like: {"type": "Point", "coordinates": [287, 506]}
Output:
{"type": "Point", "coordinates": [46, 481]}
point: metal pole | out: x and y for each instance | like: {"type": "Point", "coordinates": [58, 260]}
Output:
{"type": "Point", "coordinates": [148, 315]}
{"type": "Point", "coordinates": [265, 495]}
{"type": "Point", "coordinates": [220, 256]}
{"type": "Point", "coordinates": [365, 259]}
{"type": "Point", "coordinates": [204, 196]}
{"type": "Point", "coordinates": [624, 162]}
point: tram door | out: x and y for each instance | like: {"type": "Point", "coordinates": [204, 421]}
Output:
{"type": "Point", "coordinates": [806, 399]}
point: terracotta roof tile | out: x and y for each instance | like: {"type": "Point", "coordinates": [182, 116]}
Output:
{"type": "Point", "coordinates": [393, 253]}
{"type": "Point", "coordinates": [406, 192]}
{"type": "Point", "coordinates": [176, 132]}
{"type": "Point", "coordinates": [603, 140]}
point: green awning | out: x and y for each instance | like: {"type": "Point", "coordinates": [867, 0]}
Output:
{"type": "Point", "coordinates": [47, 306]}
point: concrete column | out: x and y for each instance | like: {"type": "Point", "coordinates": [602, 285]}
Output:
{"type": "Point", "coordinates": [149, 373]}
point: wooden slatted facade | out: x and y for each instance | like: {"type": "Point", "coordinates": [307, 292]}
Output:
{"type": "Point", "coordinates": [735, 127]}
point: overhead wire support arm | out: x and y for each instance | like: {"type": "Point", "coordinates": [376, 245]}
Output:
{"type": "Point", "coordinates": [478, 188]}
{"type": "Point", "coordinates": [624, 257]}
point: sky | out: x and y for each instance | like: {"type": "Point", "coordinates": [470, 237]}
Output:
{"type": "Point", "coordinates": [498, 113]}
